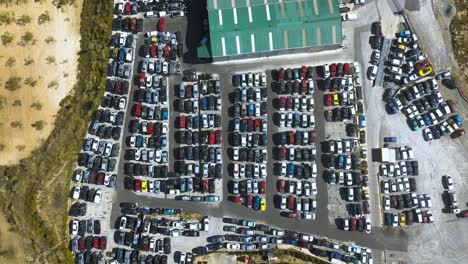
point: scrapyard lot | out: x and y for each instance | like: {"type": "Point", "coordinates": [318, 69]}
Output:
{"type": "Point", "coordinates": [377, 125]}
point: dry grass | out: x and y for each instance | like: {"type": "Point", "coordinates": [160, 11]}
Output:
{"type": "Point", "coordinates": [459, 32]}
{"type": "Point", "coordinates": [32, 64]}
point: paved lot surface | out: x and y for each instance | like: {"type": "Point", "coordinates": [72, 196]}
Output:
{"type": "Point", "coordinates": [425, 243]}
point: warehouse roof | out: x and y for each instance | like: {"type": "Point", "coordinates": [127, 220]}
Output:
{"type": "Point", "coordinates": [249, 26]}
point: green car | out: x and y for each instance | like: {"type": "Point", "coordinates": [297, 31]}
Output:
{"type": "Point", "coordinates": [414, 125]}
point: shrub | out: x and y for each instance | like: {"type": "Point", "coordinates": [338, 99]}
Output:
{"type": "Point", "coordinates": [20, 147]}
{"type": "Point", "coordinates": [10, 62]}
{"type": "Point", "coordinates": [23, 20]}
{"type": "Point", "coordinates": [13, 84]}
{"type": "Point", "coordinates": [27, 39]}
{"type": "Point", "coordinates": [38, 125]}
{"type": "Point", "coordinates": [3, 101]}
{"type": "Point", "coordinates": [53, 85]}
{"type": "Point", "coordinates": [28, 61]}
{"type": "Point", "coordinates": [49, 39]}
{"type": "Point", "coordinates": [2, 147]}
{"type": "Point", "coordinates": [17, 103]}
{"type": "Point", "coordinates": [7, 38]}
{"type": "Point", "coordinates": [50, 59]}
{"type": "Point", "coordinates": [30, 81]}
{"type": "Point", "coordinates": [37, 105]}
{"type": "Point", "coordinates": [43, 18]}
{"type": "Point", "coordinates": [16, 124]}
{"type": "Point", "coordinates": [6, 18]}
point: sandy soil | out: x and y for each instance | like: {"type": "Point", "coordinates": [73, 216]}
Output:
{"type": "Point", "coordinates": [64, 28]}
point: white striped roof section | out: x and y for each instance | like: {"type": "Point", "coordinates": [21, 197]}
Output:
{"type": "Point", "coordinates": [238, 45]}
{"type": "Point", "coordinates": [267, 8]}
{"type": "Point", "coordinates": [223, 45]}
{"type": "Point", "coordinates": [316, 7]}
{"type": "Point", "coordinates": [249, 9]}
{"type": "Point", "coordinates": [270, 39]}
{"type": "Point", "coordinates": [234, 14]}
{"type": "Point", "coordinates": [330, 5]}
{"type": "Point", "coordinates": [252, 41]}
{"type": "Point", "coordinates": [220, 16]}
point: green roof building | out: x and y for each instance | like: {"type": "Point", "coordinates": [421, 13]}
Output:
{"type": "Point", "coordinates": [254, 28]}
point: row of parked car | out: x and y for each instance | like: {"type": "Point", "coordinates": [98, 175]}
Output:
{"type": "Point", "coordinates": [296, 166]}
{"type": "Point", "coordinates": [408, 217]}
{"type": "Point", "coordinates": [245, 235]}
{"type": "Point", "coordinates": [249, 138]}
{"type": "Point", "coordinates": [99, 159]}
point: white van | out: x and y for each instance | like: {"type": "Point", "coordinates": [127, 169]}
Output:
{"type": "Point", "coordinates": [350, 16]}
{"type": "Point", "coordinates": [151, 14]}
{"type": "Point", "coordinates": [396, 62]}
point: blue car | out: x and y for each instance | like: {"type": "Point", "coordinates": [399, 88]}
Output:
{"type": "Point", "coordinates": [457, 120]}
{"type": "Point", "coordinates": [204, 103]}
{"type": "Point", "coordinates": [196, 122]}
{"type": "Point", "coordinates": [197, 198]}
{"type": "Point", "coordinates": [291, 170]}
{"type": "Point", "coordinates": [182, 185]}
{"type": "Point", "coordinates": [167, 211]}
{"type": "Point", "coordinates": [405, 33]}
{"type": "Point", "coordinates": [147, 96]}
{"type": "Point", "coordinates": [139, 141]}
{"type": "Point", "coordinates": [393, 108]}
{"type": "Point", "coordinates": [256, 203]}
{"type": "Point", "coordinates": [251, 109]}
{"type": "Point", "coordinates": [390, 139]}
{"type": "Point", "coordinates": [165, 113]}
{"type": "Point", "coordinates": [121, 55]}
{"type": "Point", "coordinates": [362, 121]}
{"type": "Point", "coordinates": [427, 120]}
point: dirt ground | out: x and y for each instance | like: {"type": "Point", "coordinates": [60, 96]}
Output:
{"type": "Point", "coordinates": [18, 142]}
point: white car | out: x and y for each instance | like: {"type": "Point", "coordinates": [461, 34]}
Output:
{"type": "Point", "coordinates": [263, 80]}
{"type": "Point", "coordinates": [233, 246]}
{"type": "Point", "coordinates": [165, 68]}
{"type": "Point", "coordinates": [449, 184]}
{"type": "Point", "coordinates": [76, 192]}
{"type": "Point", "coordinates": [122, 103]}
{"type": "Point", "coordinates": [98, 196]}
{"type": "Point", "coordinates": [74, 227]}
{"type": "Point", "coordinates": [368, 226]}
{"type": "Point", "coordinates": [235, 153]}
{"type": "Point", "coordinates": [346, 224]}
{"type": "Point", "coordinates": [122, 223]}
{"type": "Point", "coordinates": [263, 171]}
{"type": "Point", "coordinates": [385, 186]}
{"type": "Point", "coordinates": [283, 169]}
{"type": "Point", "coordinates": [283, 202]}
{"type": "Point", "coordinates": [314, 188]}
{"type": "Point", "coordinates": [386, 201]}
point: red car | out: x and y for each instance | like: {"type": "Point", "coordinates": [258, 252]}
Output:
{"type": "Point", "coordinates": [81, 244]}
{"type": "Point", "coordinates": [303, 72]}
{"type": "Point", "coordinates": [182, 121]}
{"type": "Point", "coordinates": [283, 153]}
{"type": "Point", "coordinates": [328, 100]}
{"type": "Point", "coordinates": [162, 24]}
{"type": "Point", "coordinates": [236, 199]}
{"type": "Point", "coordinates": [212, 138]}
{"type": "Point", "coordinates": [133, 24]}
{"type": "Point", "coordinates": [333, 70]}
{"type": "Point", "coordinates": [281, 185]}
{"type": "Point", "coordinates": [150, 128]}
{"type": "Point", "coordinates": [258, 124]}
{"type": "Point", "coordinates": [103, 244]}
{"type": "Point", "coordinates": [294, 215]}
{"type": "Point", "coordinates": [166, 52]}
{"type": "Point", "coordinates": [250, 124]}
{"type": "Point", "coordinates": [249, 201]}
{"type": "Point", "coordinates": [93, 177]}
{"type": "Point", "coordinates": [206, 187]}
{"type": "Point", "coordinates": [128, 8]}
{"type": "Point", "coordinates": [137, 185]}
{"type": "Point", "coordinates": [452, 105]}
{"type": "Point", "coordinates": [262, 187]}
{"type": "Point", "coordinates": [289, 103]}
{"type": "Point", "coordinates": [291, 137]}
{"type": "Point", "coordinates": [218, 136]}
{"type": "Point", "coordinates": [311, 136]}
{"type": "Point", "coordinates": [101, 177]}
{"type": "Point", "coordinates": [282, 103]}
{"type": "Point", "coordinates": [291, 202]}
{"type": "Point", "coordinates": [346, 68]}
{"type": "Point", "coordinates": [353, 224]}
{"type": "Point", "coordinates": [281, 74]}
{"type": "Point", "coordinates": [142, 80]}
{"type": "Point", "coordinates": [138, 110]}
{"type": "Point", "coordinates": [304, 86]}
{"type": "Point", "coordinates": [458, 133]}
{"type": "Point", "coordinates": [153, 51]}
{"type": "Point", "coordinates": [421, 65]}
{"type": "Point", "coordinates": [96, 242]}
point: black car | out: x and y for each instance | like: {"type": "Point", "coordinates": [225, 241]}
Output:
{"type": "Point", "coordinates": [191, 233]}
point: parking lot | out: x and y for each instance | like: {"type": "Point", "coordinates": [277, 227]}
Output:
{"type": "Point", "coordinates": [330, 205]}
